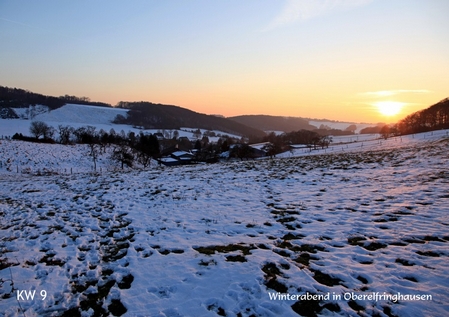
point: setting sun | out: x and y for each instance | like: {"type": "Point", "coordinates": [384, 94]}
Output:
{"type": "Point", "coordinates": [389, 108]}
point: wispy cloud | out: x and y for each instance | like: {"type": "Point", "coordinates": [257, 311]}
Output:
{"type": "Point", "coordinates": [387, 93]}
{"type": "Point", "coordinates": [300, 10]}
{"type": "Point", "coordinates": [38, 28]}
{"type": "Point", "coordinates": [16, 22]}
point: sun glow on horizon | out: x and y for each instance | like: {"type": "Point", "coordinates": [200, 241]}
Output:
{"type": "Point", "coordinates": [389, 108]}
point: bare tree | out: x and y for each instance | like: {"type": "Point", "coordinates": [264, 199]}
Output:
{"type": "Point", "coordinates": [147, 147]}
{"type": "Point", "coordinates": [242, 151]}
{"type": "Point", "coordinates": [271, 149]}
{"type": "Point", "coordinates": [325, 141]}
{"type": "Point", "coordinates": [39, 128]}
{"type": "Point", "coordinates": [385, 132]}
{"type": "Point", "coordinates": [352, 128]}
{"type": "Point", "coordinates": [91, 137]}
{"type": "Point", "coordinates": [65, 133]}
{"type": "Point", "coordinates": [94, 151]}
{"type": "Point", "coordinates": [123, 155]}
{"type": "Point", "coordinates": [197, 134]}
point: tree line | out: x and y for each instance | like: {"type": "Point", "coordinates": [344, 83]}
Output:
{"type": "Point", "coordinates": [131, 147]}
{"type": "Point", "coordinates": [143, 147]}
{"type": "Point", "coordinates": [436, 117]}
{"type": "Point", "coordinates": [20, 98]}
{"type": "Point", "coordinates": [275, 144]}
{"type": "Point", "coordinates": [149, 115]}
{"type": "Point", "coordinates": [126, 148]}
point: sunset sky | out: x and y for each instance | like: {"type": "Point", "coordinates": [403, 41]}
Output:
{"type": "Point", "coordinates": [334, 59]}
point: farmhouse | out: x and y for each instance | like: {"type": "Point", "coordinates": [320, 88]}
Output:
{"type": "Point", "coordinates": [177, 157]}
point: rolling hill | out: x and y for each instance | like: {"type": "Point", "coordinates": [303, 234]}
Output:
{"type": "Point", "coordinates": [15, 102]}
{"type": "Point", "coordinates": [273, 123]}
{"type": "Point", "coordinates": [158, 116]}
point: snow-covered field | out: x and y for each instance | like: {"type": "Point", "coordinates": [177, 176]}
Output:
{"type": "Point", "coordinates": [225, 239]}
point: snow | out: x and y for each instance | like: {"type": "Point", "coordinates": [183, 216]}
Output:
{"type": "Point", "coordinates": [21, 112]}
{"type": "Point", "coordinates": [276, 132]}
{"type": "Point", "coordinates": [82, 115]}
{"type": "Point", "coordinates": [202, 240]}
{"type": "Point", "coordinates": [31, 111]}
{"type": "Point", "coordinates": [259, 146]}
{"type": "Point", "coordinates": [32, 158]}
{"type": "Point", "coordinates": [168, 159]}
{"type": "Point", "coordinates": [365, 142]}
{"type": "Point", "coordinates": [87, 115]}
{"type": "Point", "coordinates": [181, 153]}
{"type": "Point", "coordinates": [354, 138]}
{"type": "Point", "coordinates": [69, 115]}
{"type": "Point", "coordinates": [341, 125]}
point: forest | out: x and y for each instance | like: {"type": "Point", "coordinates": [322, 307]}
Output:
{"type": "Point", "coordinates": [436, 117]}
{"type": "Point", "coordinates": [20, 98]}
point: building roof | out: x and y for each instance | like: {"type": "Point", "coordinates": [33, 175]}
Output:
{"type": "Point", "coordinates": [181, 153]}
{"type": "Point", "coordinates": [168, 159]}
{"type": "Point", "coordinates": [259, 146]}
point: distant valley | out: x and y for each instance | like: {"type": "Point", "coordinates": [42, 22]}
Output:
{"type": "Point", "coordinates": [22, 104]}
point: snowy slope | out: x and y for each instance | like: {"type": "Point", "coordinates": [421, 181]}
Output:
{"type": "Point", "coordinates": [341, 125]}
{"type": "Point", "coordinates": [81, 115]}
{"type": "Point", "coordinates": [222, 239]}
{"type": "Point", "coordinates": [71, 115]}
{"type": "Point", "coordinates": [367, 142]}
{"type": "Point", "coordinates": [32, 158]}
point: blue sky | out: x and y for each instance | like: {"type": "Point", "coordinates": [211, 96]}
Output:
{"type": "Point", "coordinates": [322, 58]}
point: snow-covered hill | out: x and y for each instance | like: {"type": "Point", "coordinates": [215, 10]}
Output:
{"type": "Point", "coordinates": [101, 117]}
{"type": "Point", "coordinates": [341, 125]}
{"type": "Point", "coordinates": [69, 115]}
{"type": "Point", "coordinates": [358, 229]}
{"type": "Point", "coordinates": [81, 115]}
